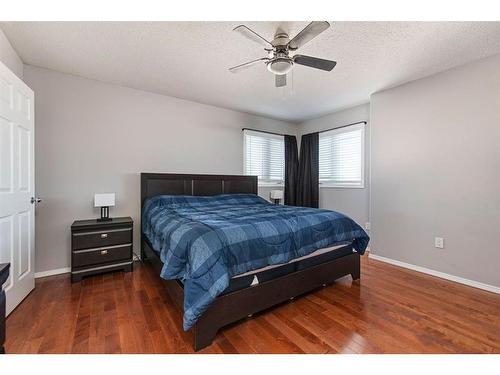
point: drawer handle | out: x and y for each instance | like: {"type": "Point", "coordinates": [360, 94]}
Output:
{"type": "Point", "coordinates": [104, 235]}
{"type": "Point", "coordinates": [104, 252]}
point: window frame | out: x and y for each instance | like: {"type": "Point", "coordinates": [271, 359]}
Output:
{"type": "Point", "coordinates": [348, 185]}
{"type": "Point", "coordinates": [263, 182]}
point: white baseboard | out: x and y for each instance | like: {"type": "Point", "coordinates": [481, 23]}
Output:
{"type": "Point", "coordinates": [58, 271]}
{"type": "Point", "coordinates": [442, 275]}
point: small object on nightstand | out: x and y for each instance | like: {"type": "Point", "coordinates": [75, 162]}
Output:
{"type": "Point", "coordinates": [104, 201]}
{"type": "Point", "coordinates": [276, 196]}
{"type": "Point", "coordinates": [101, 246]}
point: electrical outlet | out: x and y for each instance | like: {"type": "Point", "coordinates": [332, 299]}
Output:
{"type": "Point", "coordinates": [439, 242]}
{"type": "Point", "coordinates": [367, 226]}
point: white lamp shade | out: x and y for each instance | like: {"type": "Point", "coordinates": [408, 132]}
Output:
{"type": "Point", "coordinates": [276, 194]}
{"type": "Point", "coordinates": [104, 200]}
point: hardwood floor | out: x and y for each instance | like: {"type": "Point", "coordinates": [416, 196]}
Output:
{"type": "Point", "coordinates": [390, 310]}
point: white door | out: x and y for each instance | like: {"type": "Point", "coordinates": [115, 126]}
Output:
{"type": "Point", "coordinates": [17, 186]}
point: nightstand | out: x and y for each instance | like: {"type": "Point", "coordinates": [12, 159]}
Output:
{"type": "Point", "coordinates": [101, 246]}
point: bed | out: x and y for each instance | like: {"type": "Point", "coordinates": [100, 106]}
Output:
{"type": "Point", "coordinates": [225, 253]}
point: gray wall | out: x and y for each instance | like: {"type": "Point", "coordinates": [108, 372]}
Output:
{"type": "Point", "coordinates": [436, 171]}
{"type": "Point", "coordinates": [93, 137]}
{"type": "Point", "coordinates": [9, 56]}
{"type": "Point", "coordinates": [353, 202]}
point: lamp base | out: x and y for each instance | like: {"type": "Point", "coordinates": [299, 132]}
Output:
{"type": "Point", "coordinates": [104, 214]}
{"type": "Point", "coordinates": [276, 201]}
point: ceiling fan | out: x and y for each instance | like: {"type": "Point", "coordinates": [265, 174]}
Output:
{"type": "Point", "coordinates": [279, 61]}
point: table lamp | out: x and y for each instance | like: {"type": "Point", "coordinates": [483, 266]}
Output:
{"type": "Point", "coordinates": [276, 196]}
{"type": "Point", "coordinates": [104, 201]}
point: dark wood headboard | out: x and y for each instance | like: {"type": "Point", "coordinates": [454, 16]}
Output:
{"type": "Point", "coordinates": [194, 184]}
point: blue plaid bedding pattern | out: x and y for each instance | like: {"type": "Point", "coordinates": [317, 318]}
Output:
{"type": "Point", "coordinates": [204, 241]}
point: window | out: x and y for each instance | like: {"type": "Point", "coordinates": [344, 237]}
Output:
{"type": "Point", "coordinates": [264, 156]}
{"type": "Point", "coordinates": [341, 157]}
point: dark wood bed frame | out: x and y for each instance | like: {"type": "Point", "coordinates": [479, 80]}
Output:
{"type": "Point", "coordinates": [231, 307]}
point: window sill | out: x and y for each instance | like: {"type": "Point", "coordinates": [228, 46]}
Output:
{"type": "Point", "coordinates": [333, 186]}
{"type": "Point", "coordinates": [270, 184]}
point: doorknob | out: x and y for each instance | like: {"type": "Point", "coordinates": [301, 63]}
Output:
{"type": "Point", "coordinates": [35, 200]}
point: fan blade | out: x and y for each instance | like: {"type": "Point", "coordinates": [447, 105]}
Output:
{"type": "Point", "coordinates": [280, 80]}
{"type": "Point", "coordinates": [314, 62]}
{"type": "Point", "coordinates": [237, 68]}
{"type": "Point", "coordinates": [252, 35]}
{"type": "Point", "coordinates": [308, 33]}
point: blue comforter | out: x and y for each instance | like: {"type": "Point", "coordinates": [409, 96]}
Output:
{"type": "Point", "coordinates": [204, 241]}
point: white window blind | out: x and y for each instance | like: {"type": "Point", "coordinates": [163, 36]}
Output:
{"type": "Point", "coordinates": [341, 157]}
{"type": "Point", "coordinates": [264, 156]}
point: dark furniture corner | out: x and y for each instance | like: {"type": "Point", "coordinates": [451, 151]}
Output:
{"type": "Point", "coordinates": [101, 246]}
{"type": "Point", "coordinates": [4, 275]}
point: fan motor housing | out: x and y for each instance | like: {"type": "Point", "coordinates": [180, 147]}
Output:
{"type": "Point", "coordinates": [280, 41]}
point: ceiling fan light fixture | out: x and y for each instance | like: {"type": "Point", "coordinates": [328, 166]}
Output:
{"type": "Point", "coordinates": [278, 51]}
{"type": "Point", "coordinates": [280, 66]}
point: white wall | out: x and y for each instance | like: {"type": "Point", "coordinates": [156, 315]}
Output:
{"type": "Point", "coordinates": [94, 137]}
{"type": "Point", "coordinates": [9, 56]}
{"type": "Point", "coordinates": [436, 171]}
{"type": "Point", "coordinates": [354, 202]}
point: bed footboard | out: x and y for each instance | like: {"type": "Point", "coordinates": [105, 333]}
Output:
{"type": "Point", "coordinates": [240, 304]}
{"type": "Point", "coordinates": [237, 305]}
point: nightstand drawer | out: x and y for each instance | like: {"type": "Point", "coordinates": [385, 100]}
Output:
{"type": "Point", "coordinates": [87, 240]}
{"type": "Point", "coordinates": [102, 255]}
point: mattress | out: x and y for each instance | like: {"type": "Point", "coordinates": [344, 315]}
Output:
{"type": "Point", "coordinates": [268, 273]}
{"type": "Point", "coordinates": [312, 255]}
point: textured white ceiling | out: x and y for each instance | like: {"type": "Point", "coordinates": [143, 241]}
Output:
{"type": "Point", "coordinates": [190, 59]}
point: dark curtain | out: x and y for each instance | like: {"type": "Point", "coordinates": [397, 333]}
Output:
{"type": "Point", "coordinates": [291, 170]}
{"type": "Point", "coordinates": [308, 181]}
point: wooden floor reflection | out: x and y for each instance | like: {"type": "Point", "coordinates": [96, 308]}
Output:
{"type": "Point", "coordinates": [390, 310]}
